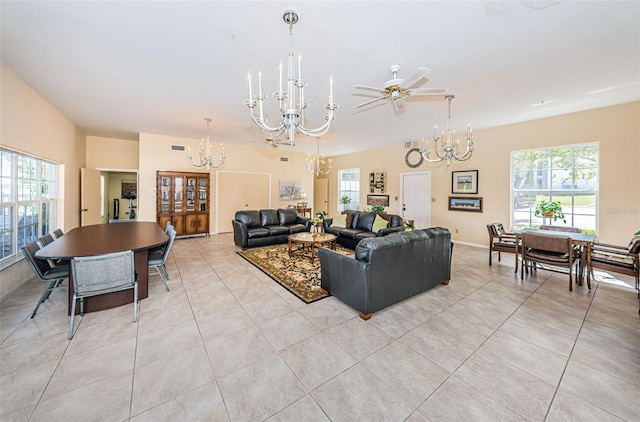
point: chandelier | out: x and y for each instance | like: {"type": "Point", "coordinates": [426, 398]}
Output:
{"type": "Point", "coordinates": [447, 147]}
{"type": "Point", "coordinates": [318, 165]}
{"type": "Point", "coordinates": [206, 160]}
{"type": "Point", "coordinates": [292, 101]}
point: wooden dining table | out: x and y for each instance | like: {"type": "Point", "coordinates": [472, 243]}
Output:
{"type": "Point", "coordinates": [138, 236]}
{"type": "Point", "coordinates": [582, 240]}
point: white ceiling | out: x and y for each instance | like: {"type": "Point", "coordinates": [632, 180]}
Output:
{"type": "Point", "coordinates": [118, 68]}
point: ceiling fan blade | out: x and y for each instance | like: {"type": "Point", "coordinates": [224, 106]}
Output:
{"type": "Point", "coordinates": [429, 91]}
{"type": "Point", "coordinates": [398, 104]}
{"type": "Point", "coordinates": [366, 103]}
{"type": "Point", "coordinates": [370, 88]}
{"type": "Point", "coordinates": [418, 77]}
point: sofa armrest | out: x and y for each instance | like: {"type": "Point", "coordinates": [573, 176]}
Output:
{"type": "Point", "coordinates": [240, 234]}
{"type": "Point", "coordinates": [304, 220]}
{"type": "Point", "coordinates": [389, 230]}
{"type": "Point", "coordinates": [346, 278]}
{"type": "Point", "coordinates": [327, 222]}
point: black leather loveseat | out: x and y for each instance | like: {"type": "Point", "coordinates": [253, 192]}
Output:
{"type": "Point", "coordinates": [253, 228]}
{"type": "Point", "coordinates": [386, 270]}
{"type": "Point", "coordinates": [360, 226]}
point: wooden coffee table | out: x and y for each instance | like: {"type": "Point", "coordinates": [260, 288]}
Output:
{"type": "Point", "coordinates": [313, 240]}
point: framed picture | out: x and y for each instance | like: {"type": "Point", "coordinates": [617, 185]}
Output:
{"type": "Point", "coordinates": [464, 181]}
{"type": "Point", "coordinates": [463, 203]}
{"type": "Point", "coordinates": [129, 189]}
{"type": "Point", "coordinates": [378, 200]}
{"type": "Point", "coordinates": [290, 190]}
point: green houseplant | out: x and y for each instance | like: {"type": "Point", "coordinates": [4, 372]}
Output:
{"type": "Point", "coordinates": [550, 209]}
{"type": "Point", "coordinates": [345, 200]}
{"type": "Point", "coordinates": [378, 209]}
{"type": "Point", "coordinates": [408, 225]}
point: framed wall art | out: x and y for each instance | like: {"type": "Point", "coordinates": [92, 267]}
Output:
{"type": "Point", "coordinates": [378, 200]}
{"type": "Point", "coordinates": [377, 182]}
{"type": "Point", "coordinates": [464, 181]}
{"type": "Point", "coordinates": [463, 203]}
{"type": "Point", "coordinates": [129, 189]}
{"type": "Point", "coordinates": [290, 190]}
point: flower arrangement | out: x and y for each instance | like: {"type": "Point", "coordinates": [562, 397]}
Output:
{"type": "Point", "coordinates": [408, 225]}
{"type": "Point", "coordinates": [321, 215]}
{"type": "Point", "coordinates": [550, 209]}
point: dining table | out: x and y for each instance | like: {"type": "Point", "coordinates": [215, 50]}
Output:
{"type": "Point", "coordinates": [583, 241]}
{"type": "Point", "coordinates": [98, 239]}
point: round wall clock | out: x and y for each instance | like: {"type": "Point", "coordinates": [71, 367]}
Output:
{"type": "Point", "coordinates": [412, 161]}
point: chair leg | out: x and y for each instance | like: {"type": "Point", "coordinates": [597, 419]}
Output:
{"type": "Point", "coordinates": [135, 302]}
{"type": "Point", "coordinates": [73, 314]}
{"type": "Point", "coordinates": [45, 294]}
{"type": "Point", "coordinates": [490, 256]}
{"type": "Point", "coordinates": [164, 269]}
{"type": "Point", "coordinates": [166, 286]}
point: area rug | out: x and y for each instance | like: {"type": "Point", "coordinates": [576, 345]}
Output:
{"type": "Point", "coordinates": [296, 274]}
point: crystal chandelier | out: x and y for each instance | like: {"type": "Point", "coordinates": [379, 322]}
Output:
{"type": "Point", "coordinates": [447, 147]}
{"type": "Point", "coordinates": [318, 165]}
{"type": "Point", "coordinates": [292, 102]}
{"type": "Point", "coordinates": [206, 160]}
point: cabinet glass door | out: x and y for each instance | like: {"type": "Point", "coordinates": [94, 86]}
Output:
{"type": "Point", "coordinates": [178, 195]}
{"type": "Point", "coordinates": [191, 194]}
{"type": "Point", "coordinates": [202, 193]}
{"type": "Point", "coordinates": [165, 195]}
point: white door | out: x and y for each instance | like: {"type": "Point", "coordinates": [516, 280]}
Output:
{"type": "Point", "coordinates": [90, 197]}
{"type": "Point", "coordinates": [416, 199]}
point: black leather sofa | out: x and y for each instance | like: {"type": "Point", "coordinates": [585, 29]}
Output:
{"type": "Point", "coordinates": [253, 228]}
{"type": "Point", "coordinates": [386, 270]}
{"type": "Point", "coordinates": [361, 227]}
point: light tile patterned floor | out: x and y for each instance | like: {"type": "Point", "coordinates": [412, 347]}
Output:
{"type": "Point", "coordinates": [229, 344]}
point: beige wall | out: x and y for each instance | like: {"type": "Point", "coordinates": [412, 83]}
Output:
{"type": "Point", "coordinates": [156, 154]}
{"type": "Point", "coordinates": [30, 124]}
{"type": "Point", "coordinates": [617, 129]}
{"type": "Point", "coordinates": [111, 153]}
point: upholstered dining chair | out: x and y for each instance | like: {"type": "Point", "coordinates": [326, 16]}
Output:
{"type": "Point", "coordinates": [52, 275]}
{"type": "Point", "coordinates": [618, 259]}
{"type": "Point", "coordinates": [99, 274]}
{"type": "Point", "coordinates": [549, 249]}
{"type": "Point", "coordinates": [158, 258]}
{"type": "Point", "coordinates": [58, 233]}
{"type": "Point", "coordinates": [501, 241]}
{"type": "Point", "coordinates": [45, 240]}
{"type": "Point", "coordinates": [568, 229]}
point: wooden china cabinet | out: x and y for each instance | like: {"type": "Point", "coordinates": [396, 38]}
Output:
{"type": "Point", "coordinates": [183, 199]}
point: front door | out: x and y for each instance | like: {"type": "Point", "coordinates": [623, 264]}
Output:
{"type": "Point", "coordinates": [416, 199]}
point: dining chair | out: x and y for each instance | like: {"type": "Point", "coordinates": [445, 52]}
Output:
{"type": "Point", "coordinates": [99, 274]}
{"type": "Point", "coordinates": [618, 259]}
{"type": "Point", "coordinates": [46, 273]}
{"type": "Point", "coordinates": [158, 258]}
{"type": "Point", "coordinates": [58, 233]}
{"type": "Point", "coordinates": [45, 240]}
{"type": "Point", "coordinates": [549, 249]}
{"type": "Point", "coordinates": [501, 241]}
{"type": "Point", "coordinates": [569, 229]}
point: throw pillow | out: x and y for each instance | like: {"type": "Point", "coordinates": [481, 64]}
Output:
{"type": "Point", "coordinates": [379, 223]}
{"type": "Point", "coordinates": [349, 218]}
{"type": "Point", "coordinates": [339, 221]}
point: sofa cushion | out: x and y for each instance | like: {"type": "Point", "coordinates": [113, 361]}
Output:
{"type": "Point", "coordinates": [339, 221]}
{"type": "Point", "coordinates": [350, 233]}
{"type": "Point", "coordinates": [249, 218]}
{"type": "Point", "coordinates": [379, 223]}
{"type": "Point", "coordinates": [277, 230]}
{"type": "Point", "coordinates": [254, 232]}
{"type": "Point", "coordinates": [297, 228]}
{"type": "Point", "coordinates": [269, 218]}
{"type": "Point", "coordinates": [365, 220]}
{"type": "Point", "coordinates": [287, 217]}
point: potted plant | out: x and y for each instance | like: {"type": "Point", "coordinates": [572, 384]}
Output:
{"type": "Point", "coordinates": [345, 200]}
{"type": "Point", "coordinates": [321, 215]}
{"type": "Point", "coordinates": [550, 209]}
{"type": "Point", "coordinates": [378, 209]}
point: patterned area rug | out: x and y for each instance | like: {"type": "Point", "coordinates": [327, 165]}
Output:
{"type": "Point", "coordinates": [296, 274]}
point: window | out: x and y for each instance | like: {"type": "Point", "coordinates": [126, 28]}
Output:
{"type": "Point", "coordinates": [568, 174]}
{"type": "Point", "coordinates": [27, 202]}
{"type": "Point", "coordinates": [349, 186]}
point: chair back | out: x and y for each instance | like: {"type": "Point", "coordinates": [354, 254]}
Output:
{"type": "Point", "coordinates": [45, 240]}
{"type": "Point", "coordinates": [167, 249]}
{"type": "Point", "coordinates": [58, 233]}
{"type": "Point", "coordinates": [546, 242]}
{"type": "Point", "coordinates": [40, 266]}
{"type": "Point", "coordinates": [106, 273]}
{"type": "Point", "coordinates": [634, 246]}
{"type": "Point", "coordinates": [568, 229]}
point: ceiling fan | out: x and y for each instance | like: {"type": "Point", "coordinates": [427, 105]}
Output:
{"type": "Point", "coordinates": [397, 89]}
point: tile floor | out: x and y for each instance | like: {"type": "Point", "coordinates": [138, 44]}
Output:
{"type": "Point", "coordinates": [229, 344]}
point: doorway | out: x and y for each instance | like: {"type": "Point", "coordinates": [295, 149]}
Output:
{"type": "Point", "coordinates": [416, 198]}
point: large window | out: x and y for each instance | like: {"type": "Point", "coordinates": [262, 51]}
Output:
{"type": "Point", "coordinates": [27, 202]}
{"type": "Point", "coordinates": [349, 186]}
{"type": "Point", "coordinates": [568, 174]}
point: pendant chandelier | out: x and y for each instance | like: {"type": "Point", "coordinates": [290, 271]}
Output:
{"type": "Point", "coordinates": [206, 159]}
{"type": "Point", "coordinates": [292, 101]}
{"type": "Point", "coordinates": [446, 146]}
{"type": "Point", "coordinates": [318, 165]}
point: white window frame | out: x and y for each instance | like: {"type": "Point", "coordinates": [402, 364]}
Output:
{"type": "Point", "coordinates": [349, 187]}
